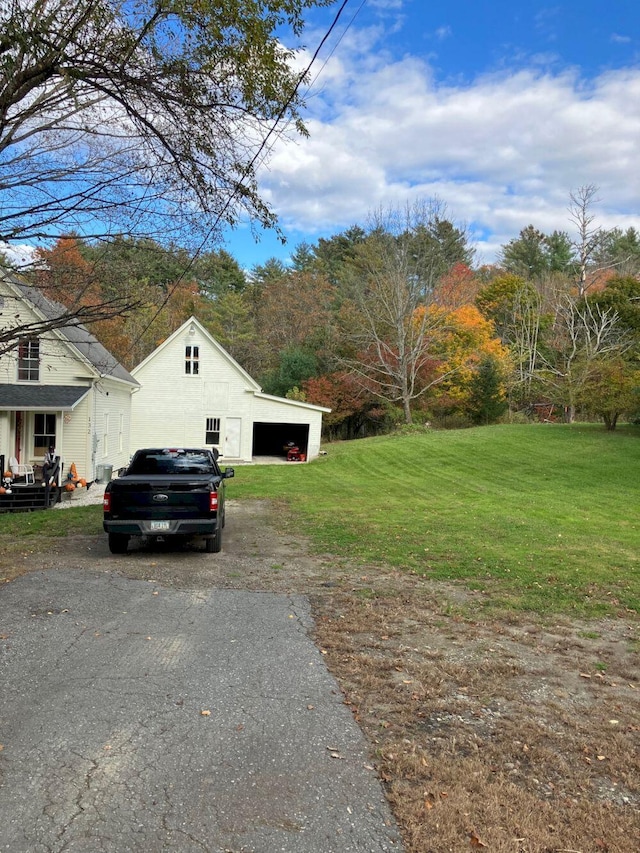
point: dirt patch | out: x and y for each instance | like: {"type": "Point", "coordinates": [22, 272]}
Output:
{"type": "Point", "coordinates": [505, 734]}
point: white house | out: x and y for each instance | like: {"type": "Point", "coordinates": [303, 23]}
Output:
{"type": "Point", "coordinates": [58, 386]}
{"type": "Point", "coordinates": [193, 393]}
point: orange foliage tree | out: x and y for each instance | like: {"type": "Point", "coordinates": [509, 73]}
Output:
{"type": "Point", "coordinates": [458, 287]}
{"type": "Point", "coordinates": [467, 338]}
{"type": "Point", "coordinates": [352, 408]}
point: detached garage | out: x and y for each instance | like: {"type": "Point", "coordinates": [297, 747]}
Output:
{"type": "Point", "coordinates": [192, 392]}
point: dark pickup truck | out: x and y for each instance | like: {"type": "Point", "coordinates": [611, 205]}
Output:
{"type": "Point", "coordinates": [167, 492]}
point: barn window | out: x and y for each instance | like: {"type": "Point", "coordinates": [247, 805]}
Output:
{"type": "Point", "coordinates": [212, 431]}
{"type": "Point", "coordinates": [29, 360]}
{"type": "Point", "coordinates": [192, 360]}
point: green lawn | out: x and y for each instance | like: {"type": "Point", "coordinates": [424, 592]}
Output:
{"type": "Point", "coordinates": [545, 517]}
{"type": "Point", "coordinates": [541, 517]}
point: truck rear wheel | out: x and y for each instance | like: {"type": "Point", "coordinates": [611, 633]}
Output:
{"type": "Point", "coordinates": [118, 543]}
{"type": "Point", "coordinates": [214, 543]}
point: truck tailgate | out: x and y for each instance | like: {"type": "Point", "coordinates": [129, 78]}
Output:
{"type": "Point", "coordinates": [153, 497]}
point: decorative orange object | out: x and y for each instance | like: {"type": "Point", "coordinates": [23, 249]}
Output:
{"type": "Point", "coordinates": [82, 482]}
{"type": "Point", "coordinates": [2, 490]}
{"type": "Point", "coordinates": [69, 487]}
{"type": "Point", "coordinates": [8, 475]}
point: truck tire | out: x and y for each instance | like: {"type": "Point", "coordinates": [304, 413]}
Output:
{"type": "Point", "coordinates": [214, 543]}
{"type": "Point", "coordinates": [118, 543]}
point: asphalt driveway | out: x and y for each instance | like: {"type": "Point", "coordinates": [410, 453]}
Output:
{"type": "Point", "coordinates": [137, 716]}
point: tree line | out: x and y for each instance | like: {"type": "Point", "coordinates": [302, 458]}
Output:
{"type": "Point", "coordinates": [125, 126]}
{"type": "Point", "coordinates": [390, 322]}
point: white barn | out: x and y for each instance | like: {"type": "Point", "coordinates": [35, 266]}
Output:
{"type": "Point", "coordinates": [193, 393]}
{"type": "Point", "coordinates": [58, 386]}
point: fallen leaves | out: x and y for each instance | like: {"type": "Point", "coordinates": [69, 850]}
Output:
{"type": "Point", "coordinates": [334, 752]}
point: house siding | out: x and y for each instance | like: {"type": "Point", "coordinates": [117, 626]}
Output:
{"type": "Point", "coordinates": [74, 444]}
{"type": "Point", "coordinates": [110, 402]}
{"type": "Point", "coordinates": [79, 432]}
{"type": "Point", "coordinates": [171, 407]}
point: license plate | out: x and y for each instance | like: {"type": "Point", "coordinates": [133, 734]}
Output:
{"type": "Point", "coordinates": [160, 525]}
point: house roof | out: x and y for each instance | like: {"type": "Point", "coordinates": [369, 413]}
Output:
{"type": "Point", "coordinates": [41, 397]}
{"type": "Point", "coordinates": [88, 346]}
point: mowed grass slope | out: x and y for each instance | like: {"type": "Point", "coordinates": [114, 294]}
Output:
{"type": "Point", "coordinates": [542, 517]}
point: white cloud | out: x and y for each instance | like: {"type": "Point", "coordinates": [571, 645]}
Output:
{"type": "Point", "coordinates": [443, 33]}
{"type": "Point", "coordinates": [19, 255]}
{"type": "Point", "coordinates": [501, 152]}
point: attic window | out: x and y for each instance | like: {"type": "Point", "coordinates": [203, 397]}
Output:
{"type": "Point", "coordinates": [29, 360]}
{"type": "Point", "coordinates": [192, 360]}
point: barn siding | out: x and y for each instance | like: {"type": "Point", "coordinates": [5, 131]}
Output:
{"type": "Point", "coordinates": [171, 407]}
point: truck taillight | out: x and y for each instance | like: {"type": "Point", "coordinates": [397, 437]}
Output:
{"type": "Point", "coordinates": [213, 501]}
{"type": "Point", "coordinates": [106, 502]}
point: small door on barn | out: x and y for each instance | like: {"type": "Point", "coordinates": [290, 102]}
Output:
{"type": "Point", "coordinates": [232, 438]}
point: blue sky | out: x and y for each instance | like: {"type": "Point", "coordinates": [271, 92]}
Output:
{"type": "Point", "coordinates": [498, 109]}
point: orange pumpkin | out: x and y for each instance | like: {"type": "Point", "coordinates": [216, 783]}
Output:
{"type": "Point", "coordinates": [69, 487]}
{"type": "Point", "coordinates": [2, 490]}
{"type": "Point", "coordinates": [8, 475]}
{"type": "Point", "coordinates": [82, 482]}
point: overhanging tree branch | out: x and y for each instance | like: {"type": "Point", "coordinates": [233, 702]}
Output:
{"type": "Point", "coordinates": [177, 94]}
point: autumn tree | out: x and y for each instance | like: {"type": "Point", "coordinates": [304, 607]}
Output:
{"type": "Point", "coordinates": [457, 287]}
{"type": "Point", "coordinates": [611, 390]}
{"type": "Point", "coordinates": [514, 306]}
{"type": "Point", "coordinates": [69, 282]}
{"type": "Point", "coordinates": [389, 279]}
{"type": "Point", "coordinates": [65, 275]}
{"type": "Point", "coordinates": [295, 313]}
{"type": "Point", "coordinates": [468, 341]}
{"type": "Point", "coordinates": [354, 411]}
{"type": "Point", "coordinates": [584, 336]}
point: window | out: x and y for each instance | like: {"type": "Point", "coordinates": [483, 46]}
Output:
{"type": "Point", "coordinates": [212, 432]}
{"type": "Point", "coordinates": [29, 360]}
{"type": "Point", "coordinates": [192, 360]}
{"type": "Point", "coordinates": [44, 433]}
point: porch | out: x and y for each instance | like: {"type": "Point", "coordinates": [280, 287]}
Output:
{"type": "Point", "coordinates": [17, 494]}
{"type": "Point", "coordinates": [26, 497]}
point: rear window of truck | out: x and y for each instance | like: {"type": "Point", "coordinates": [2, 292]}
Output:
{"type": "Point", "coordinates": [171, 462]}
